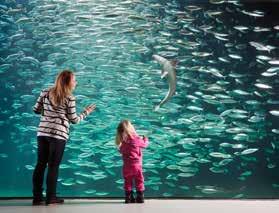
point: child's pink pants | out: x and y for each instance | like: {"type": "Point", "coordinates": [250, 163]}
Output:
{"type": "Point", "coordinates": [132, 173]}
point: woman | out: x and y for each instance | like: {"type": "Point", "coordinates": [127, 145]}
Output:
{"type": "Point", "coordinates": [57, 107]}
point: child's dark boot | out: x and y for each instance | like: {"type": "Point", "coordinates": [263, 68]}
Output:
{"type": "Point", "coordinates": [129, 197]}
{"type": "Point", "coordinates": [140, 197]}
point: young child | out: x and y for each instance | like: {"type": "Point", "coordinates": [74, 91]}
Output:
{"type": "Point", "coordinates": [130, 146]}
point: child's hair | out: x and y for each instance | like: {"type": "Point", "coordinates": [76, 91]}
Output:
{"type": "Point", "coordinates": [124, 130]}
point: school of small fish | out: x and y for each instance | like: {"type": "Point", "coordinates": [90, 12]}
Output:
{"type": "Point", "coordinates": [217, 136]}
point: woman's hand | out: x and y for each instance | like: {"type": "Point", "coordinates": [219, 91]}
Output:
{"type": "Point", "coordinates": [90, 108]}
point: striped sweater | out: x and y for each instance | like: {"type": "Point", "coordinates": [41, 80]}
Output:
{"type": "Point", "coordinates": [55, 121]}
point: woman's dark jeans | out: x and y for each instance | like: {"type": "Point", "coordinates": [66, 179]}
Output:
{"type": "Point", "coordinates": [50, 152]}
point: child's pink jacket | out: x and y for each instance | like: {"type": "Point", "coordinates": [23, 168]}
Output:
{"type": "Point", "coordinates": [131, 150]}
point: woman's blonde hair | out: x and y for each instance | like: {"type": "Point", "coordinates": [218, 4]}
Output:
{"type": "Point", "coordinates": [62, 88]}
{"type": "Point", "coordinates": [124, 130]}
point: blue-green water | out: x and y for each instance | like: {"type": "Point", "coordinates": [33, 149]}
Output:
{"type": "Point", "coordinates": [217, 137]}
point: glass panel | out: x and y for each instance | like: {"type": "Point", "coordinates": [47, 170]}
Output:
{"type": "Point", "coordinates": [216, 136]}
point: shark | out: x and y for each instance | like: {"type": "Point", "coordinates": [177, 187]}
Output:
{"type": "Point", "coordinates": [168, 71]}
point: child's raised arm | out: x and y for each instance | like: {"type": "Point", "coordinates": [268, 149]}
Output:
{"type": "Point", "coordinates": [143, 142]}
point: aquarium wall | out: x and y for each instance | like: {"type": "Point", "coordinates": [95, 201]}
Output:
{"type": "Point", "coordinates": [217, 136]}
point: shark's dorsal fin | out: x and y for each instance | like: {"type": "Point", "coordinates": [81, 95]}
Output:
{"type": "Point", "coordinates": [174, 62]}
